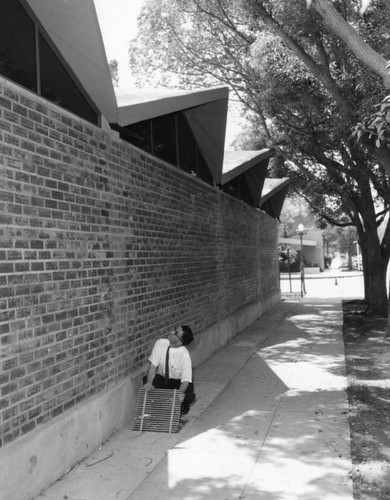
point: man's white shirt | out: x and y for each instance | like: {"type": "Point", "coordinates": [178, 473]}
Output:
{"type": "Point", "coordinates": [180, 365]}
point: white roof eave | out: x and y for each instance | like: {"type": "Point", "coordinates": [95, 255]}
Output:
{"type": "Point", "coordinates": [141, 105]}
{"type": "Point", "coordinates": [237, 162]}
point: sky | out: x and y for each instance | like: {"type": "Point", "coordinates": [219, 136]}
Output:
{"type": "Point", "coordinates": [118, 24]}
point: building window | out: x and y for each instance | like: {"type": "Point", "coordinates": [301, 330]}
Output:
{"type": "Point", "coordinates": [139, 134]}
{"type": "Point", "coordinates": [164, 141]}
{"type": "Point", "coordinates": [170, 138]}
{"type": "Point", "coordinates": [57, 85]}
{"type": "Point", "coordinates": [27, 59]}
{"type": "Point", "coordinates": [17, 45]}
{"type": "Point", "coordinates": [191, 158]}
{"type": "Point", "coordinates": [238, 188]}
{"type": "Point", "coordinates": [188, 149]}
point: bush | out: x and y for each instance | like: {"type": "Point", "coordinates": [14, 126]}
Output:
{"type": "Point", "coordinates": [288, 255]}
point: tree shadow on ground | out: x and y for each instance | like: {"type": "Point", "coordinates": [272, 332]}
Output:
{"type": "Point", "coordinates": [280, 427]}
{"type": "Point", "coordinates": [368, 373]}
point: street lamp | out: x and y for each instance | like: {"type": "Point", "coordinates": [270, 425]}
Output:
{"type": "Point", "coordinates": [303, 288]}
{"type": "Point", "coordinates": [358, 257]}
{"type": "Point", "coordinates": [289, 267]}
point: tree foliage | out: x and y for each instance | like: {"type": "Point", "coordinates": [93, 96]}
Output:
{"type": "Point", "coordinates": [296, 211]}
{"type": "Point", "coordinates": [303, 88]}
{"type": "Point", "coordinates": [113, 65]}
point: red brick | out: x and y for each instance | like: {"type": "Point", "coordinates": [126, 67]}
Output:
{"type": "Point", "coordinates": [106, 248]}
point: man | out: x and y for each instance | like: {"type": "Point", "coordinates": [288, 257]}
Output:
{"type": "Point", "coordinates": [177, 372]}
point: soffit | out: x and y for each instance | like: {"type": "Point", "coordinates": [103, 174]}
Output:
{"type": "Point", "coordinates": [208, 124]}
{"type": "Point", "coordinates": [74, 29]}
{"type": "Point", "coordinates": [205, 111]}
{"type": "Point", "coordinates": [273, 196]}
{"type": "Point", "coordinates": [251, 165]}
{"type": "Point", "coordinates": [236, 163]}
{"type": "Point", "coordinates": [273, 187]}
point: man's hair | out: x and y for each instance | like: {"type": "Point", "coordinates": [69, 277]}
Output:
{"type": "Point", "coordinates": [187, 336]}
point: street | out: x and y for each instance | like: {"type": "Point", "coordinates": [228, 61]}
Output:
{"type": "Point", "coordinates": [330, 283]}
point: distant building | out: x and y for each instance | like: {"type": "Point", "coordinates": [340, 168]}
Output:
{"type": "Point", "coordinates": [313, 248]}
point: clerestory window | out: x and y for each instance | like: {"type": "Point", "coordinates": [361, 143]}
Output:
{"type": "Point", "coordinates": [238, 187]}
{"type": "Point", "coordinates": [170, 138]}
{"type": "Point", "coordinates": [28, 58]}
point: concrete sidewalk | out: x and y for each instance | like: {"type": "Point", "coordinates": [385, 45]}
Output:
{"type": "Point", "coordinates": [271, 422]}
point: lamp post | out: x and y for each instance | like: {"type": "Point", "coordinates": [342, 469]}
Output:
{"type": "Point", "coordinates": [288, 267]}
{"type": "Point", "coordinates": [358, 258]}
{"type": "Point", "coordinates": [303, 288]}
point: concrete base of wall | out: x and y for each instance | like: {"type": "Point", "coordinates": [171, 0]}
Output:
{"type": "Point", "coordinates": [221, 333]}
{"type": "Point", "coordinates": [34, 462]}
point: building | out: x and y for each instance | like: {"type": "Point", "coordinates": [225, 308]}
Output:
{"type": "Point", "coordinates": [313, 247]}
{"type": "Point", "coordinates": [117, 221]}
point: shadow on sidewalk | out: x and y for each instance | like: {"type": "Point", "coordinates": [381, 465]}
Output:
{"type": "Point", "coordinates": [270, 422]}
{"type": "Point", "coordinates": [278, 430]}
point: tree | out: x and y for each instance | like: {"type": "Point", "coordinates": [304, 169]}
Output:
{"type": "Point", "coordinates": [351, 37]}
{"type": "Point", "coordinates": [113, 65]}
{"type": "Point", "coordinates": [303, 90]}
{"type": "Point", "coordinates": [342, 240]}
{"type": "Point", "coordinates": [289, 259]}
{"type": "Point", "coordinates": [338, 239]}
{"type": "Point", "coordinates": [295, 211]}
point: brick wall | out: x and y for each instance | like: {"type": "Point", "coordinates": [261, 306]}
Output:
{"type": "Point", "coordinates": [102, 250]}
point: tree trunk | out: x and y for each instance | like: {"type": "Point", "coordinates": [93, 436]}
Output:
{"type": "Point", "coordinates": [387, 330]}
{"type": "Point", "coordinates": [374, 271]}
{"type": "Point", "coordinates": [377, 291]}
{"type": "Point", "coordinates": [365, 273]}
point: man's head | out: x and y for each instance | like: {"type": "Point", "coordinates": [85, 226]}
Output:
{"type": "Point", "coordinates": [187, 336]}
{"type": "Point", "coordinates": [181, 335]}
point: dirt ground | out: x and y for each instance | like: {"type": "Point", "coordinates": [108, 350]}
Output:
{"type": "Point", "coordinates": [367, 354]}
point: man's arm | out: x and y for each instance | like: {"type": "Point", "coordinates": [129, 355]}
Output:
{"type": "Point", "coordinates": [186, 373]}
{"type": "Point", "coordinates": [150, 376]}
{"type": "Point", "coordinates": [184, 386]}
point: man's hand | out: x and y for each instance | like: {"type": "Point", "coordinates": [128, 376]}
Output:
{"type": "Point", "coordinates": [180, 395]}
{"type": "Point", "coordinates": [150, 377]}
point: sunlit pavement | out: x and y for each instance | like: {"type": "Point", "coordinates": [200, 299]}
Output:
{"type": "Point", "coordinates": [271, 421]}
{"type": "Point", "coordinates": [328, 284]}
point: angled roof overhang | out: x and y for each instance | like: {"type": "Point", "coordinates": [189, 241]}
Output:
{"type": "Point", "coordinates": [205, 110]}
{"type": "Point", "coordinates": [273, 195]}
{"type": "Point", "coordinates": [251, 165]}
{"type": "Point", "coordinates": [140, 105]}
{"type": "Point", "coordinates": [74, 28]}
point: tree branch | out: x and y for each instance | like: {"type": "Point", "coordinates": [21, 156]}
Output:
{"type": "Point", "coordinates": [316, 70]}
{"type": "Point", "coordinates": [352, 39]}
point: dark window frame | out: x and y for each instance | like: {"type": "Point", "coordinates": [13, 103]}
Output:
{"type": "Point", "coordinates": [39, 30]}
{"type": "Point", "coordinates": [239, 189]}
{"type": "Point", "coordinates": [129, 135]}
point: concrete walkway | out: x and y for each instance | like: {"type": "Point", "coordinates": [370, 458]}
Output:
{"type": "Point", "coordinates": [271, 422]}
